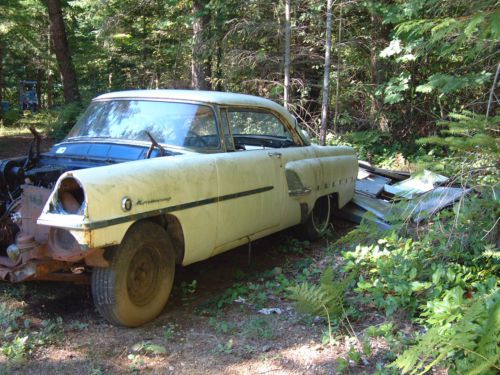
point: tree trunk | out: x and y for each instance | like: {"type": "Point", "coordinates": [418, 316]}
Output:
{"type": "Point", "coordinates": [49, 89]}
{"type": "Point", "coordinates": [62, 51]}
{"type": "Point", "coordinates": [326, 75]}
{"type": "Point", "coordinates": [379, 39]}
{"type": "Point", "coordinates": [1, 76]}
{"type": "Point", "coordinates": [286, 96]}
{"type": "Point", "coordinates": [39, 80]}
{"type": "Point", "coordinates": [219, 50]}
{"type": "Point", "coordinates": [218, 66]}
{"type": "Point", "coordinates": [48, 104]}
{"type": "Point", "coordinates": [337, 84]}
{"type": "Point", "coordinates": [201, 68]}
{"type": "Point", "coordinates": [490, 99]}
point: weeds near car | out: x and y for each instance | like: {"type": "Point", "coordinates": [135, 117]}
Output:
{"type": "Point", "coordinates": [255, 292]}
{"type": "Point", "coordinates": [169, 331]}
{"type": "Point", "coordinates": [188, 290]}
{"type": "Point", "coordinates": [18, 337]}
{"type": "Point", "coordinates": [444, 277]}
{"type": "Point", "coordinates": [222, 326]}
{"type": "Point", "coordinates": [149, 348]}
{"type": "Point", "coordinates": [258, 327]}
{"type": "Point", "coordinates": [293, 245]}
{"type": "Point", "coordinates": [226, 348]}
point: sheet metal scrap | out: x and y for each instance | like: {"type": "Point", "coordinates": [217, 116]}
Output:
{"type": "Point", "coordinates": [422, 191]}
{"type": "Point", "coordinates": [354, 213]}
{"type": "Point", "coordinates": [379, 207]}
{"type": "Point", "coordinates": [371, 185]}
{"type": "Point", "coordinates": [417, 184]}
{"type": "Point", "coordinates": [428, 204]}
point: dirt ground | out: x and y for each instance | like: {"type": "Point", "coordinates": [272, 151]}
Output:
{"type": "Point", "coordinates": [11, 146]}
{"type": "Point", "coordinates": [194, 336]}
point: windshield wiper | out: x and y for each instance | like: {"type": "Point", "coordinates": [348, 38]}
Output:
{"type": "Point", "coordinates": [153, 145]}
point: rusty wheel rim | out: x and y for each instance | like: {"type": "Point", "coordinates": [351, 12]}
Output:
{"type": "Point", "coordinates": [143, 276]}
{"type": "Point", "coordinates": [321, 216]}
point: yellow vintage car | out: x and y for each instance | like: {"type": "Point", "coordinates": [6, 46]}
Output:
{"type": "Point", "coordinates": [150, 178]}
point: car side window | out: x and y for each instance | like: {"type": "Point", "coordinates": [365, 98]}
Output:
{"type": "Point", "coordinates": [247, 122]}
{"type": "Point", "coordinates": [253, 129]}
{"type": "Point", "coordinates": [202, 130]}
{"type": "Point", "coordinates": [228, 139]}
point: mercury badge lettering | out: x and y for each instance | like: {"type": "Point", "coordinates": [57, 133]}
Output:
{"type": "Point", "coordinates": [148, 179]}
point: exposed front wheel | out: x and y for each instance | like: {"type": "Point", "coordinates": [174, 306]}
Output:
{"type": "Point", "coordinates": [135, 287]}
{"type": "Point", "coordinates": [318, 220]}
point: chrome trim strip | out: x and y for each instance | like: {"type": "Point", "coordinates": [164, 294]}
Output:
{"type": "Point", "coordinates": [144, 215]}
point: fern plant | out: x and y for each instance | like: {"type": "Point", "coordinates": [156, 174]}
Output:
{"type": "Point", "coordinates": [324, 299]}
{"type": "Point", "coordinates": [471, 345]}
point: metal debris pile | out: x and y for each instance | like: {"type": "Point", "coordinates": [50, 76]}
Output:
{"type": "Point", "coordinates": [377, 190]}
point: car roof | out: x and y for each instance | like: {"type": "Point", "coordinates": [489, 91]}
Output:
{"type": "Point", "coordinates": [212, 97]}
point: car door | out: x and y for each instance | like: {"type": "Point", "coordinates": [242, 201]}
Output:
{"type": "Point", "coordinates": [251, 183]}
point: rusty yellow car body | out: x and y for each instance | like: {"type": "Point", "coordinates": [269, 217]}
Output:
{"type": "Point", "coordinates": [235, 185]}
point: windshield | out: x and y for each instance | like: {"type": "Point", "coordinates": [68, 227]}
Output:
{"type": "Point", "coordinates": [177, 124]}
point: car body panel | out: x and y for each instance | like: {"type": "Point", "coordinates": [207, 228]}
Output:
{"type": "Point", "coordinates": [219, 199]}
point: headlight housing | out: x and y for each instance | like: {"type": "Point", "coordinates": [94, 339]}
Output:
{"type": "Point", "coordinates": [70, 197]}
{"type": "Point", "coordinates": [63, 245]}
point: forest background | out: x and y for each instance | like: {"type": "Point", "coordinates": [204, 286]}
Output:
{"type": "Point", "coordinates": [397, 67]}
{"type": "Point", "coordinates": [410, 84]}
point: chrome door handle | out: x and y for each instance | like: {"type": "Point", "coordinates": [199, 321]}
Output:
{"type": "Point", "coordinates": [274, 155]}
{"type": "Point", "coordinates": [299, 192]}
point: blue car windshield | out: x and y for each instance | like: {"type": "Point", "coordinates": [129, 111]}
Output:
{"type": "Point", "coordinates": [170, 123]}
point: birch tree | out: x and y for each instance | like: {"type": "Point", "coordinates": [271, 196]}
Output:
{"type": "Point", "coordinates": [326, 75]}
{"type": "Point", "coordinates": [286, 99]}
{"type": "Point", "coordinates": [201, 68]}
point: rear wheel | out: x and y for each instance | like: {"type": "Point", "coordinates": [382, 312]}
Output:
{"type": "Point", "coordinates": [318, 220]}
{"type": "Point", "coordinates": [135, 287]}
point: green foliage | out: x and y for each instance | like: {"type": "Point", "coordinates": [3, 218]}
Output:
{"type": "Point", "coordinates": [293, 246]}
{"type": "Point", "coordinates": [393, 91]}
{"type": "Point", "coordinates": [9, 317]}
{"type": "Point", "coordinates": [253, 291]}
{"type": "Point", "coordinates": [468, 132]}
{"type": "Point", "coordinates": [187, 290]}
{"type": "Point", "coordinates": [226, 298]}
{"type": "Point", "coordinates": [469, 26]}
{"type": "Point", "coordinates": [378, 148]}
{"type": "Point", "coordinates": [39, 120]}
{"type": "Point", "coordinates": [16, 350]}
{"type": "Point", "coordinates": [226, 348]}
{"type": "Point", "coordinates": [446, 83]}
{"type": "Point", "coordinates": [149, 348]}
{"type": "Point", "coordinates": [66, 118]}
{"type": "Point", "coordinates": [419, 59]}
{"type": "Point", "coordinates": [472, 341]}
{"type": "Point", "coordinates": [389, 272]}
{"type": "Point", "coordinates": [169, 331]}
{"type": "Point", "coordinates": [9, 118]}
{"type": "Point", "coordinates": [18, 338]}
{"type": "Point", "coordinates": [259, 327]}
{"type": "Point", "coordinates": [420, 63]}
{"type": "Point", "coordinates": [324, 299]}
{"type": "Point", "coordinates": [222, 326]}
{"type": "Point", "coordinates": [431, 272]}
{"type": "Point", "coordinates": [444, 275]}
